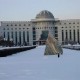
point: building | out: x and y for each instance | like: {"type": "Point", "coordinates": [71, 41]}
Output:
{"type": "Point", "coordinates": [36, 30]}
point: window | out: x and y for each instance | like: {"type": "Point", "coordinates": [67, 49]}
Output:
{"type": "Point", "coordinates": [3, 28]}
{"type": "Point", "coordinates": [16, 37]}
{"type": "Point", "coordinates": [55, 27]}
{"type": "Point", "coordinates": [45, 27]}
{"type": "Point", "coordinates": [8, 35]}
{"type": "Point", "coordinates": [77, 22]}
{"type": "Point", "coordinates": [56, 35]}
{"type": "Point", "coordinates": [7, 28]}
{"type": "Point", "coordinates": [19, 24]}
{"type": "Point", "coordinates": [73, 26]}
{"type": "Point", "coordinates": [15, 28]}
{"type": "Point", "coordinates": [69, 26]}
{"type": "Point", "coordinates": [24, 24]}
{"type": "Point", "coordinates": [60, 23]}
{"type": "Point", "coordinates": [62, 35]}
{"type": "Point", "coordinates": [4, 34]}
{"type": "Point", "coordinates": [70, 34]}
{"type": "Point", "coordinates": [11, 25]}
{"type": "Point", "coordinates": [74, 34]}
{"type": "Point", "coordinates": [33, 28]}
{"type": "Point", "coordinates": [34, 32]}
{"type": "Point", "coordinates": [11, 28]}
{"type": "Point", "coordinates": [64, 23]}
{"type": "Point", "coordinates": [73, 22]}
{"type": "Point", "coordinates": [53, 22]}
{"type": "Point", "coordinates": [34, 37]}
{"type": "Point", "coordinates": [12, 35]}
{"type": "Point", "coordinates": [69, 23]}
{"type": "Point", "coordinates": [78, 35]}
{"type": "Point", "coordinates": [44, 35]}
{"type": "Point", "coordinates": [7, 25]}
{"type": "Point", "coordinates": [23, 36]}
{"type": "Point", "coordinates": [56, 31]}
{"type": "Point", "coordinates": [15, 24]}
{"type": "Point", "coordinates": [66, 35]}
{"type": "Point", "coordinates": [20, 37]}
{"type": "Point", "coordinates": [28, 36]}
{"type": "Point", "coordinates": [28, 24]}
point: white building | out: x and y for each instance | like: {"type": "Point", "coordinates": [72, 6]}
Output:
{"type": "Point", "coordinates": [28, 32]}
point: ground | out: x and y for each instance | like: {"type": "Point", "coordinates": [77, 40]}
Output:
{"type": "Point", "coordinates": [34, 65]}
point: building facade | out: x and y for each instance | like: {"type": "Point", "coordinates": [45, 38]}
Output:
{"type": "Point", "coordinates": [30, 32]}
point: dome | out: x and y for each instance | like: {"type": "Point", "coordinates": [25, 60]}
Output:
{"type": "Point", "coordinates": [44, 14]}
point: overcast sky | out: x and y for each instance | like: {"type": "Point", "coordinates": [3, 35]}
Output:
{"type": "Point", "coordinates": [13, 10]}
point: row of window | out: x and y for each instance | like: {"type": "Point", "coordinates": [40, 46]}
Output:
{"type": "Point", "coordinates": [69, 23]}
{"type": "Point", "coordinates": [70, 27]}
{"type": "Point", "coordinates": [14, 28]}
{"type": "Point", "coordinates": [17, 25]}
{"type": "Point", "coordinates": [45, 28]}
{"type": "Point", "coordinates": [28, 28]}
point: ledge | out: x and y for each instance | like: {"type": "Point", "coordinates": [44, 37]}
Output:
{"type": "Point", "coordinates": [13, 50]}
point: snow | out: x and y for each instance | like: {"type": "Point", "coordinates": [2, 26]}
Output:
{"type": "Point", "coordinates": [34, 65]}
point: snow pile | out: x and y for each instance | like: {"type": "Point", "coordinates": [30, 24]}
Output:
{"type": "Point", "coordinates": [33, 65]}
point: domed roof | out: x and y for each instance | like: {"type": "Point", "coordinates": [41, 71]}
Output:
{"type": "Point", "coordinates": [44, 14]}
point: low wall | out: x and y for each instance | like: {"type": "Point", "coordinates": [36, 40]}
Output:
{"type": "Point", "coordinates": [73, 47]}
{"type": "Point", "coordinates": [10, 51]}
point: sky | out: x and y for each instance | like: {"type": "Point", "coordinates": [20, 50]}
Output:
{"type": "Point", "coordinates": [25, 10]}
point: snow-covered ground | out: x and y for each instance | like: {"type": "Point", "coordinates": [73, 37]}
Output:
{"type": "Point", "coordinates": [33, 65]}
